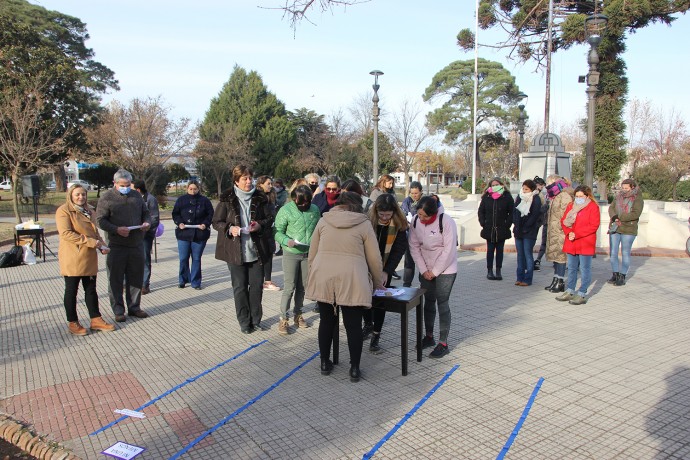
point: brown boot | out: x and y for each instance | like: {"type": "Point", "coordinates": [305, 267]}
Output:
{"type": "Point", "coordinates": [76, 329]}
{"type": "Point", "coordinates": [300, 322]}
{"type": "Point", "coordinates": [97, 324]}
{"type": "Point", "coordinates": [283, 326]}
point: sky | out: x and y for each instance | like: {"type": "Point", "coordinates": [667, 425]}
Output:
{"type": "Point", "coordinates": [185, 51]}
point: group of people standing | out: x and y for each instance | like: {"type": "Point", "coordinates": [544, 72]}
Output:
{"type": "Point", "coordinates": [569, 219]}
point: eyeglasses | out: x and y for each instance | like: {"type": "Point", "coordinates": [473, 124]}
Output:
{"type": "Point", "coordinates": [332, 189]}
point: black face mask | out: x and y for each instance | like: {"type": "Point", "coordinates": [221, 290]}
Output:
{"type": "Point", "coordinates": [304, 206]}
{"type": "Point", "coordinates": [313, 187]}
{"type": "Point", "coordinates": [390, 190]}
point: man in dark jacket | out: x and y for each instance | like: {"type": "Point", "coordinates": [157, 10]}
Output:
{"type": "Point", "coordinates": [150, 236]}
{"type": "Point", "coordinates": [123, 215]}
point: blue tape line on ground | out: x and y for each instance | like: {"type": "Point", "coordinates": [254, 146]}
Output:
{"type": "Point", "coordinates": [241, 409]}
{"type": "Point", "coordinates": [514, 434]}
{"type": "Point", "coordinates": [409, 414]}
{"type": "Point", "coordinates": [186, 382]}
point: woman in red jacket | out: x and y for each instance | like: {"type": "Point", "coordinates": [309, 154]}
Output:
{"type": "Point", "coordinates": [580, 224]}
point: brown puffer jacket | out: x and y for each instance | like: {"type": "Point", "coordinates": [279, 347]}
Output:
{"type": "Point", "coordinates": [227, 214]}
{"type": "Point", "coordinates": [344, 259]}
{"type": "Point", "coordinates": [79, 237]}
{"type": "Point", "coordinates": [554, 235]}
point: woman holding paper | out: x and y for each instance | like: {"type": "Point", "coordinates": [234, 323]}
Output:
{"type": "Point", "coordinates": [192, 215]}
{"type": "Point", "coordinates": [294, 226]}
{"type": "Point", "coordinates": [390, 226]}
{"type": "Point", "coordinates": [244, 222]}
{"type": "Point", "coordinates": [344, 267]}
{"type": "Point", "coordinates": [78, 258]}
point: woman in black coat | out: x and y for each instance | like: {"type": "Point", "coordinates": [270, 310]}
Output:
{"type": "Point", "coordinates": [192, 215]}
{"type": "Point", "coordinates": [496, 218]}
{"type": "Point", "coordinates": [526, 224]}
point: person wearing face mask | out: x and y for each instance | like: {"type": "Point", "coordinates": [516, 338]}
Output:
{"type": "Point", "coordinates": [78, 258]}
{"type": "Point", "coordinates": [123, 215]}
{"type": "Point", "coordinates": [495, 217]}
{"type": "Point", "coordinates": [559, 194]}
{"type": "Point", "coordinates": [313, 180]}
{"type": "Point", "coordinates": [265, 184]}
{"type": "Point", "coordinates": [526, 217]}
{"type": "Point", "coordinates": [326, 199]}
{"type": "Point", "coordinates": [580, 224]}
{"type": "Point", "coordinates": [434, 247]}
{"type": "Point", "coordinates": [541, 185]}
{"type": "Point", "coordinates": [244, 221]}
{"type": "Point", "coordinates": [625, 213]}
{"type": "Point", "coordinates": [294, 226]}
{"type": "Point", "coordinates": [390, 226]}
{"type": "Point", "coordinates": [196, 211]}
{"type": "Point", "coordinates": [281, 193]}
{"type": "Point", "coordinates": [385, 184]}
{"type": "Point", "coordinates": [409, 209]}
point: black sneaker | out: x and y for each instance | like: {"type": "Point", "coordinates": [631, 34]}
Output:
{"type": "Point", "coordinates": [537, 265]}
{"type": "Point", "coordinates": [395, 276]}
{"type": "Point", "coordinates": [374, 346]}
{"type": "Point", "coordinates": [440, 351]}
{"type": "Point", "coordinates": [428, 341]}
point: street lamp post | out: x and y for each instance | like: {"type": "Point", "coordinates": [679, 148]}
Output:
{"type": "Point", "coordinates": [594, 28]}
{"type": "Point", "coordinates": [376, 112]}
{"type": "Point", "coordinates": [522, 97]}
{"type": "Point", "coordinates": [438, 177]}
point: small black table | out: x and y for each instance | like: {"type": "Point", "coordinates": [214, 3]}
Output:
{"type": "Point", "coordinates": [401, 304]}
{"type": "Point", "coordinates": [37, 237]}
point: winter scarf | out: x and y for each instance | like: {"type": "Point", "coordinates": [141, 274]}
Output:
{"type": "Point", "coordinates": [552, 190]}
{"type": "Point", "coordinates": [249, 253]}
{"type": "Point", "coordinates": [525, 202]}
{"type": "Point", "coordinates": [495, 194]}
{"type": "Point", "coordinates": [331, 197]}
{"type": "Point", "coordinates": [625, 200]}
{"type": "Point", "coordinates": [572, 214]}
{"type": "Point", "coordinates": [392, 232]}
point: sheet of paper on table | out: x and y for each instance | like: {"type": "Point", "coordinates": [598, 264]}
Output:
{"type": "Point", "coordinates": [389, 292]}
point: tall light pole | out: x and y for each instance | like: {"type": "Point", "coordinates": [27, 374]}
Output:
{"type": "Point", "coordinates": [376, 112]}
{"type": "Point", "coordinates": [522, 97]}
{"type": "Point", "coordinates": [438, 177]}
{"type": "Point", "coordinates": [594, 28]}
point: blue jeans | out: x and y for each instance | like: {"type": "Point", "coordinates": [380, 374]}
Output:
{"type": "Point", "coordinates": [625, 242]}
{"type": "Point", "coordinates": [583, 264]}
{"type": "Point", "coordinates": [194, 249]}
{"type": "Point", "coordinates": [148, 246]}
{"type": "Point", "coordinates": [559, 270]}
{"type": "Point", "coordinates": [525, 259]}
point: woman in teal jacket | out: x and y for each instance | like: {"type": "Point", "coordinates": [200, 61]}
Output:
{"type": "Point", "coordinates": [294, 225]}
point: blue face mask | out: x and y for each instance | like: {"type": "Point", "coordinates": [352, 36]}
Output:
{"type": "Point", "coordinates": [124, 190]}
{"type": "Point", "coordinates": [580, 200]}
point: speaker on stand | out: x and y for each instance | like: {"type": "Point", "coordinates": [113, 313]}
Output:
{"type": "Point", "coordinates": [31, 188]}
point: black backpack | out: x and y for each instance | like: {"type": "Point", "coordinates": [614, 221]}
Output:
{"type": "Point", "coordinates": [12, 258]}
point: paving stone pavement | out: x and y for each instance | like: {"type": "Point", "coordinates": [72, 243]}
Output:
{"type": "Point", "coordinates": [616, 371]}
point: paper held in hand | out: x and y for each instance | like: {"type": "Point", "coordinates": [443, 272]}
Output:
{"type": "Point", "coordinates": [299, 243]}
{"type": "Point", "coordinates": [192, 226]}
{"type": "Point", "coordinates": [134, 227]}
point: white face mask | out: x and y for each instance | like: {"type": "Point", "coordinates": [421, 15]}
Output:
{"type": "Point", "coordinates": [580, 200]}
{"type": "Point", "coordinates": [124, 190]}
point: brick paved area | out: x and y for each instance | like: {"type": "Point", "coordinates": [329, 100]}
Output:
{"type": "Point", "coordinates": [616, 370]}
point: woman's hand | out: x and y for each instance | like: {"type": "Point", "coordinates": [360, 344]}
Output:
{"type": "Point", "coordinates": [234, 231]}
{"type": "Point", "coordinates": [571, 236]}
{"type": "Point", "coordinates": [201, 226]}
{"type": "Point", "coordinates": [254, 226]}
{"type": "Point", "coordinates": [291, 243]}
{"type": "Point", "coordinates": [180, 226]}
{"type": "Point", "coordinates": [428, 275]}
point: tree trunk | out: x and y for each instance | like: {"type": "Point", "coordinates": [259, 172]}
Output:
{"type": "Point", "coordinates": [15, 197]}
{"type": "Point", "coordinates": [219, 182]}
{"type": "Point", "coordinates": [603, 188]}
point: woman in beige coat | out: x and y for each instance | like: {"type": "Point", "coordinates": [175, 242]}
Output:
{"type": "Point", "coordinates": [78, 258]}
{"type": "Point", "coordinates": [344, 267]}
{"type": "Point", "coordinates": [560, 194]}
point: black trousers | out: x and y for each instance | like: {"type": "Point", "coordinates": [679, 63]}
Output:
{"type": "Point", "coordinates": [247, 288]}
{"type": "Point", "coordinates": [328, 326]}
{"type": "Point", "coordinates": [490, 248]}
{"type": "Point", "coordinates": [71, 289]}
{"type": "Point", "coordinates": [376, 315]}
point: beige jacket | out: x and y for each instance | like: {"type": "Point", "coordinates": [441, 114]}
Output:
{"type": "Point", "coordinates": [79, 237]}
{"type": "Point", "coordinates": [554, 235]}
{"type": "Point", "coordinates": [344, 260]}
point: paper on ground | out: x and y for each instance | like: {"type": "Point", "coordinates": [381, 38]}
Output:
{"type": "Point", "coordinates": [130, 413]}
